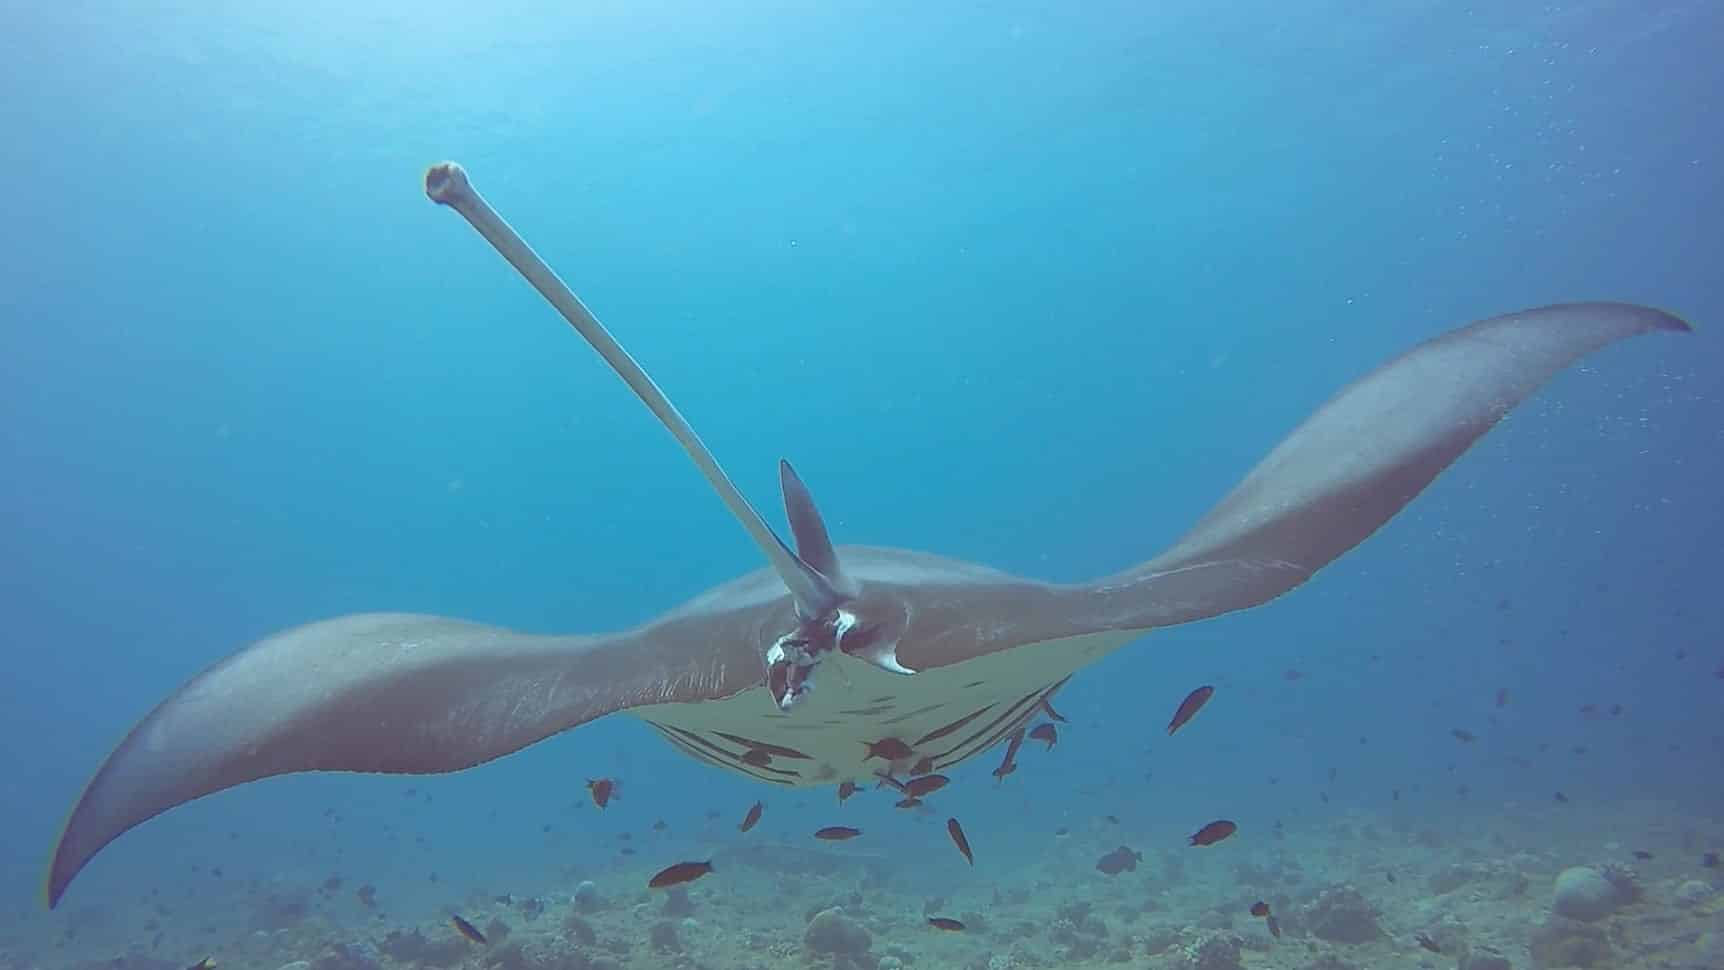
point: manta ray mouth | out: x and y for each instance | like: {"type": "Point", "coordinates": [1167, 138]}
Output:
{"type": "Point", "coordinates": [945, 715]}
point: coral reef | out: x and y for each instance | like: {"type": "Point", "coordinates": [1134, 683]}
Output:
{"type": "Point", "coordinates": [1562, 942]}
{"type": "Point", "coordinates": [1590, 893]}
{"type": "Point", "coordinates": [587, 898]}
{"type": "Point", "coordinates": [1340, 914]}
{"type": "Point", "coordinates": [1210, 951]}
{"type": "Point", "coordinates": [833, 933]}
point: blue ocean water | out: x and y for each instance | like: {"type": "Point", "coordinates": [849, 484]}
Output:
{"type": "Point", "coordinates": [1025, 284]}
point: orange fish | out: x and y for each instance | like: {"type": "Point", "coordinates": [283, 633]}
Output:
{"type": "Point", "coordinates": [892, 749]}
{"type": "Point", "coordinates": [602, 789]}
{"type": "Point", "coordinates": [1189, 707]}
{"type": "Point", "coordinates": [752, 817]}
{"type": "Point", "coordinates": [956, 831]}
{"type": "Point", "coordinates": [945, 923]}
{"type": "Point", "coordinates": [925, 785]}
{"type": "Point", "coordinates": [466, 929]}
{"type": "Point", "coordinates": [845, 790]}
{"type": "Point", "coordinates": [1213, 832]}
{"type": "Point", "coordinates": [837, 833]}
{"type": "Point", "coordinates": [1045, 732]}
{"type": "Point", "coordinates": [1260, 908]}
{"type": "Point", "coordinates": [678, 874]}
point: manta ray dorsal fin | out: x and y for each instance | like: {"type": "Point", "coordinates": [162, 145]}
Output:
{"type": "Point", "coordinates": [813, 544]}
{"type": "Point", "coordinates": [446, 183]}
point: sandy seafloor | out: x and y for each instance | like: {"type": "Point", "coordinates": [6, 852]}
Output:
{"type": "Point", "coordinates": [1355, 891]}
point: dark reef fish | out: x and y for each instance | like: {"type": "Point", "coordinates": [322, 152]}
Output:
{"type": "Point", "coordinates": [751, 818]}
{"type": "Point", "coordinates": [845, 790]}
{"type": "Point", "coordinates": [956, 831]}
{"type": "Point", "coordinates": [937, 649]}
{"type": "Point", "coordinates": [925, 785]}
{"type": "Point", "coordinates": [1213, 832]}
{"type": "Point", "coordinates": [678, 874]}
{"type": "Point", "coordinates": [945, 923]}
{"type": "Point", "coordinates": [1119, 860]}
{"type": "Point", "coordinates": [1189, 707]}
{"type": "Point", "coordinates": [837, 833]}
{"type": "Point", "coordinates": [1046, 733]}
{"type": "Point", "coordinates": [467, 929]}
{"type": "Point", "coordinates": [602, 789]}
{"type": "Point", "coordinates": [892, 749]}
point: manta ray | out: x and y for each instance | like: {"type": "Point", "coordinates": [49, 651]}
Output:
{"type": "Point", "coordinates": [944, 657]}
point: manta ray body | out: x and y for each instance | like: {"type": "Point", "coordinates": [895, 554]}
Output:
{"type": "Point", "coordinates": [947, 657]}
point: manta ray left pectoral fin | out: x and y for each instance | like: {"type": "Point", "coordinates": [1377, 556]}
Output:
{"type": "Point", "coordinates": [1355, 463]}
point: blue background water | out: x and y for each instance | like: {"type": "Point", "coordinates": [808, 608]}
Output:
{"type": "Point", "coordinates": [1016, 283]}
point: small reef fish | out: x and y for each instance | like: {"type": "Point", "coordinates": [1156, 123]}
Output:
{"type": "Point", "coordinates": [945, 923]}
{"type": "Point", "coordinates": [752, 817]}
{"type": "Point", "coordinates": [887, 779]}
{"type": "Point", "coordinates": [1046, 733]}
{"type": "Point", "coordinates": [602, 789]}
{"type": "Point", "coordinates": [1502, 696]}
{"type": "Point", "coordinates": [1009, 763]}
{"type": "Point", "coordinates": [837, 833]}
{"type": "Point", "coordinates": [678, 874]}
{"type": "Point", "coordinates": [1048, 709]}
{"type": "Point", "coordinates": [1260, 908]}
{"type": "Point", "coordinates": [1274, 925]}
{"type": "Point", "coordinates": [845, 790]}
{"type": "Point", "coordinates": [467, 930]}
{"type": "Point", "coordinates": [1189, 707]}
{"type": "Point", "coordinates": [925, 785]}
{"type": "Point", "coordinates": [1427, 943]}
{"type": "Point", "coordinates": [892, 749]}
{"type": "Point", "coordinates": [1709, 860]}
{"type": "Point", "coordinates": [660, 826]}
{"type": "Point", "coordinates": [1213, 832]}
{"type": "Point", "coordinates": [1642, 854]}
{"type": "Point", "coordinates": [1119, 860]}
{"type": "Point", "coordinates": [1561, 798]}
{"type": "Point", "coordinates": [1292, 674]}
{"type": "Point", "coordinates": [207, 963]}
{"type": "Point", "coordinates": [1463, 735]}
{"type": "Point", "coordinates": [956, 831]}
